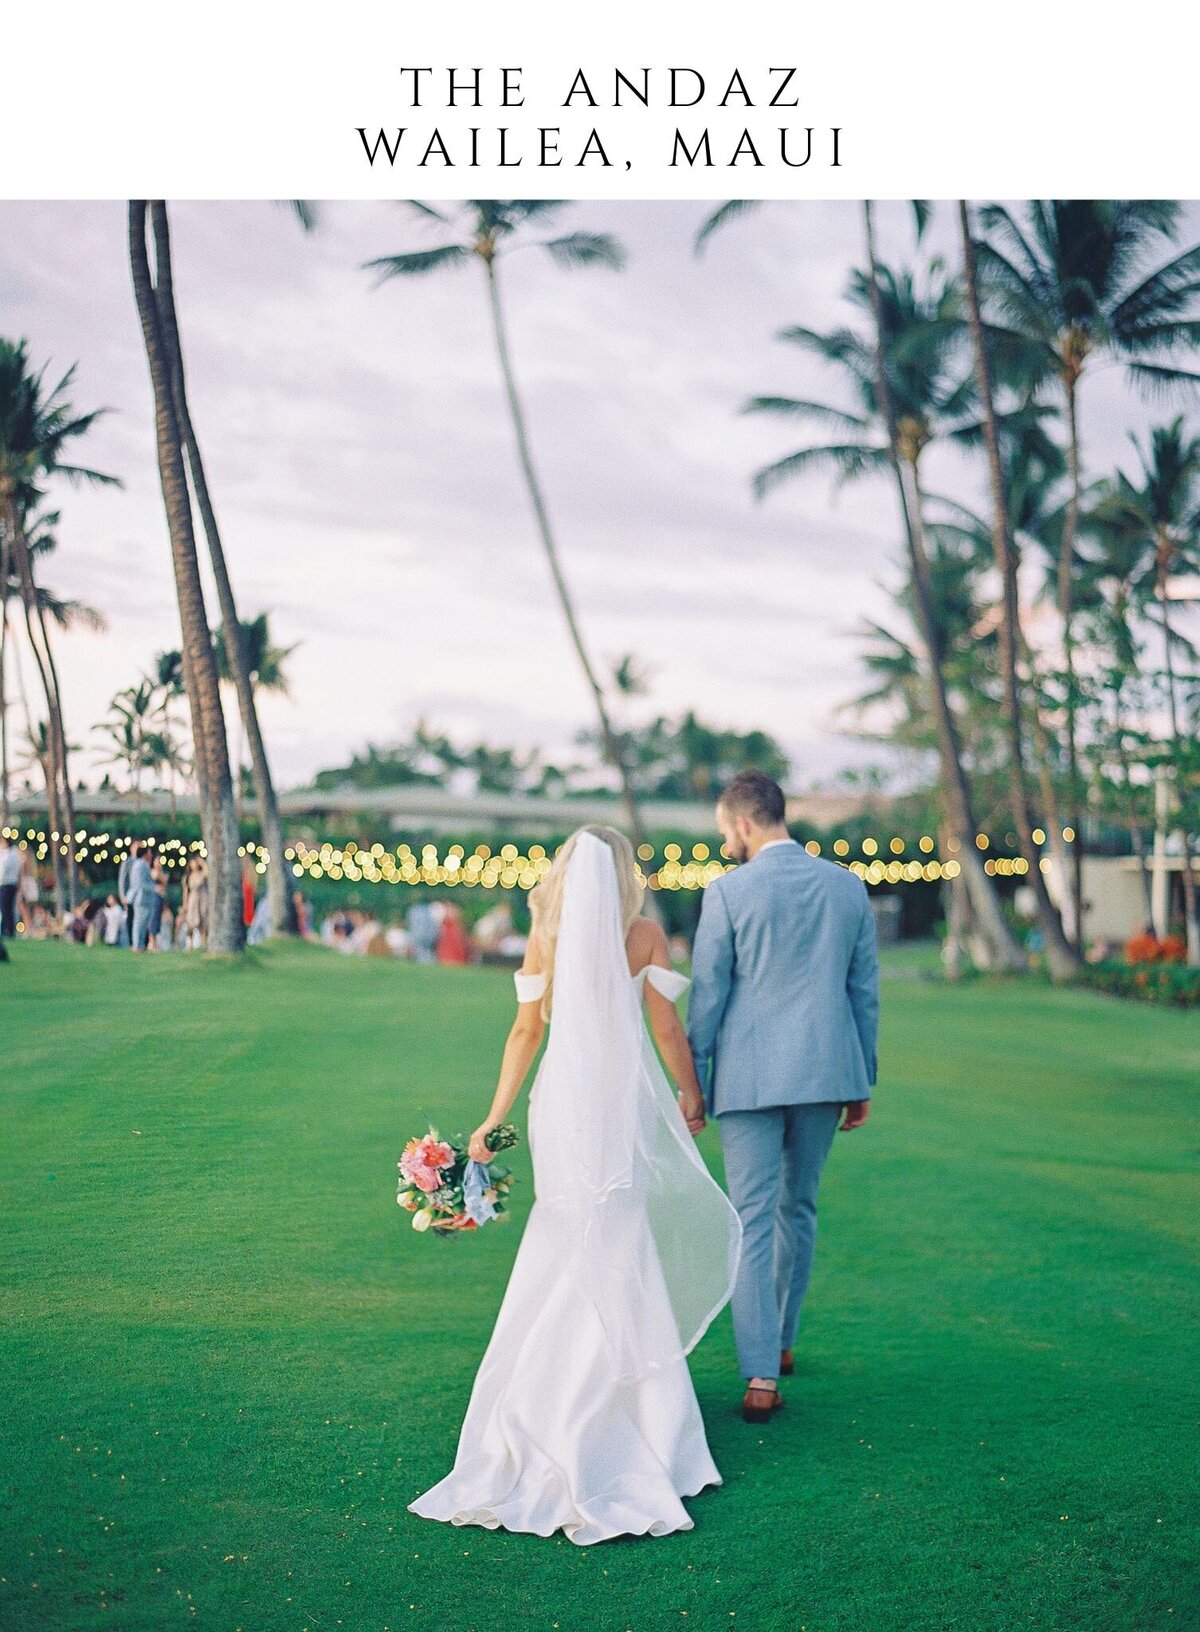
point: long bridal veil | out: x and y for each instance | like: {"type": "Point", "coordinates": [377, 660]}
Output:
{"type": "Point", "coordinates": [653, 1239]}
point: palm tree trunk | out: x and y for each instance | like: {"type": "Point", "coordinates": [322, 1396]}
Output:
{"type": "Point", "coordinates": [1060, 854]}
{"type": "Point", "coordinates": [1061, 958]}
{"type": "Point", "coordinates": [283, 912]}
{"type": "Point", "coordinates": [612, 746]}
{"type": "Point", "coordinates": [999, 946]}
{"type": "Point", "coordinates": [1002, 950]}
{"type": "Point", "coordinates": [64, 769]}
{"type": "Point", "coordinates": [1191, 922]}
{"type": "Point", "coordinates": [14, 551]}
{"type": "Point", "coordinates": [52, 766]}
{"type": "Point", "coordinates": [1066, 609]}
{"type": "Point", "coordinates": [1137, 838]}
{"type": "Point", "coordinates": [1044, 759]}
{"type": "Point", "coordinates": [227, 932]}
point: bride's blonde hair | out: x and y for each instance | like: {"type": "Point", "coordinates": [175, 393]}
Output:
{"type": "Point", "coordinates": [545, 899]}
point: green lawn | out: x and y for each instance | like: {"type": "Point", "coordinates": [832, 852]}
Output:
{"type": "Point", "coordinates": [228, 1365]}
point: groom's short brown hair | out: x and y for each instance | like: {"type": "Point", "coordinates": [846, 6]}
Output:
{"type": "Point", "coordinates": [756, 795]}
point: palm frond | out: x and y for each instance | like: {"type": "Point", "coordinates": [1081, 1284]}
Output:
{"type": "Point", "coordinates": [798, 408]}
{"type": "Point", "coordinates": [70, 614]}
{"type": "Point", "coordinates": [848, 460]}
{"type": "Point", "coordinates": [1156, 381]}
{"type": "Point", "coordinates": [304, 210]}
{"type": "Point", "coordinates": [93, 478]}
{"type": "Point", "coordinates": [586, 249]}
{"type": "Point", "coordinates": [426, 210]}
{"type": "Point", "coordinates": [1168, 290]}
{"type": "Point", "coordinates": [721, 216]}
{"type": "Point", "coordinates": [417, 263]}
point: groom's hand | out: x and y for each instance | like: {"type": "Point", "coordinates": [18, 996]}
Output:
{"type": "Point", "coordinates": [854, 1114]}
{"type": "Point", "coordinates": [692, 1106]}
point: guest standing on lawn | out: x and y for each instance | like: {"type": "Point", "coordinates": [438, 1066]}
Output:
{"type": "Point", "coordinates": [195, 903]}
{"type": "Point", "coordinates": [10, 883]}
{"type": "Point", "coordinates": [143, 897]}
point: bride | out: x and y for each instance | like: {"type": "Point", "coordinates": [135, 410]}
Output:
{"type": "Point", "coordinates": [583, 1416]}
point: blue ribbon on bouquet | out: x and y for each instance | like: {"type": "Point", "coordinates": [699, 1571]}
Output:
{"type": "Point", "coordinates": [476, 1180]}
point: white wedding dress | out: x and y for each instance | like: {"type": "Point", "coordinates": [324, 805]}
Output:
{"type": "Point", "coordinates": [583, 1416]}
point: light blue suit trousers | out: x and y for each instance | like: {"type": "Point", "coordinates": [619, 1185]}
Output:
{"type": "Point", "coordinates": [773, 1163]}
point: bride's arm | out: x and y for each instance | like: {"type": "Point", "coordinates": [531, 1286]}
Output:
{"type": "Point", "coordinates": [524, 1040]}
{"type": "Point", "coordinates": [667, 1030]}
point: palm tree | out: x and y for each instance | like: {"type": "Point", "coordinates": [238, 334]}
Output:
{"type": "Point", "coordinates": [282, 905]}
{"type": "Point", "coordinates": [910, 387]}
{"type": "Point", "coordinates": [134, 716]}
{"type": "Point", "coordinates": [39, 755]}
{"type": "Point", "coordinates": [489, 230]}
{"type": "Point", "coordinates": [126, 749]}
{"type": "Point", "coordinates": [1062, 959]}
{"type": "Point", "coordinates": [1160, 509]}
{"type": "Point", "coordinates": [214, 782]}
{"type": "Point", "coordinates": [167, 675]}
{"type": "Point", "coordinates": [1109, 595]}
{"type": "Point", "coordinates": [1073, 277]}
{"type": "Point", "coordinates": [163, 751]}
{"type": "Point", "coordinates": [37, 427]}
{"type": "Point", "coordinates": [65, 614]}
{"type": "Point", "coordinates": [262, 661]}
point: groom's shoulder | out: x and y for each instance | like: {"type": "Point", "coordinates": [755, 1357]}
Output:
{"type": "Point", "coordinates": [794, 868]}
{"type": "Point", "coordinates": [839, 881]}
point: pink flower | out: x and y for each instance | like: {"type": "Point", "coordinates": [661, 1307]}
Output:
{"type": "Point", "coordinates": [423, 1160]}
{"type": "Point", "coordinates": [418, 1171]}
{"type": "Point", "coordinates": [434, 1152]}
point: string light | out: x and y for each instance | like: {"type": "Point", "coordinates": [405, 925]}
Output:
{"type": "Point", "coordinates": [509, 868]}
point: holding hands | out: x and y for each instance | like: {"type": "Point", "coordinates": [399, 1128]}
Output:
{"type": "Point", "coordinates": [691, 1103]}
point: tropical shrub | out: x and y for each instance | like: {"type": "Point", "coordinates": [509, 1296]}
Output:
{"type": "Point", "coordinates": [1171, 984]}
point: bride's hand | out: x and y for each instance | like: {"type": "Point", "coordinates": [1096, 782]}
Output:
{"type": "Point", "coordinates": [692, 1106]}
{"type": "Point", "coordinates": [477, 1148]}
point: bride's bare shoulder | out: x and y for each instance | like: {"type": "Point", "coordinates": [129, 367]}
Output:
{"type": "Point", "coordinates": [645, 943]}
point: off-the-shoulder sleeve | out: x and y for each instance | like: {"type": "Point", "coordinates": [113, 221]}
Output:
{"type": "Point", "coordinates": [668, 981]}
{"type": "Point", "coordinates": [529, 987]}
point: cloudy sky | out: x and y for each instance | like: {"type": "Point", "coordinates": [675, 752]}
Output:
{"type": "Point", "coordinates": [365, 477]}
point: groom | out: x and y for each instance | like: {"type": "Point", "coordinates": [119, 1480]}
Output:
{"type": "Point", "coordinates": [782, 1024]}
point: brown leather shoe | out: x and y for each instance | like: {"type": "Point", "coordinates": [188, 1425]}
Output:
{"type": "Point", "coordinates": [759, 1403]}
{"type": "Point", "coordinates": [787, 1363]}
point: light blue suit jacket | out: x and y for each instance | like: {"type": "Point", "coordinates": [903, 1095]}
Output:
{"type": "Point", "coordinates": [785, 984]}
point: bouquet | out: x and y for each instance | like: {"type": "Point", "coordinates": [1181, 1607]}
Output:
{"type": "Point", "coordinates": [445, 1190]}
